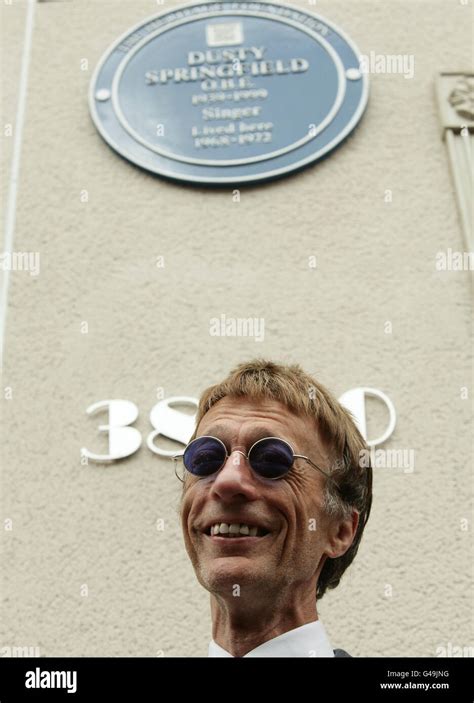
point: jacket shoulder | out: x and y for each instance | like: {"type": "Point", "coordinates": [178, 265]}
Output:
{"type": "Point", "coordinates": [341, 653]}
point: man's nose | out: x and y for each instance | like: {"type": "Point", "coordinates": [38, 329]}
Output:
{"type": "Point", "coordinates": [236, 478]}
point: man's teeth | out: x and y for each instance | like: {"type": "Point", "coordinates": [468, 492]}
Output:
{"type": "Point", "coordinates": [224, 529]}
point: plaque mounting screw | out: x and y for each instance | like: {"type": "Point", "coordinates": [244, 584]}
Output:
{"type": "Point", "coordinates": [102, 94]}
{"type": "Point", "coordinates": [353, 74]}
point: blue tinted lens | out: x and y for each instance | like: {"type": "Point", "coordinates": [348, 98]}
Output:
{"type": "Point", "coordinates": [204, 456]}
{"type": "Point", "coordinates": [271, 458]}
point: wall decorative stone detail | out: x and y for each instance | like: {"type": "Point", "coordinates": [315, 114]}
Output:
{"type": "Point", "coordinates": [455, 93]}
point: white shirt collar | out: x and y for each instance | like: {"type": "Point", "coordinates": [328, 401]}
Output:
{"type": "Point", "coordinates": [309, 640]}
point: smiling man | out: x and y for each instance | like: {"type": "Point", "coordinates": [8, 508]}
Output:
{"type": "Point", "coordinates": [273, 508]}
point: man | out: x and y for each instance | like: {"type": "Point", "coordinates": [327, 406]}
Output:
{"type": "Point", "coordinates": [273, 508]}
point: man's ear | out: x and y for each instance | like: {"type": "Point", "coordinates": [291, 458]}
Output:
{"type": "Point", "coordinates": [341, 534]}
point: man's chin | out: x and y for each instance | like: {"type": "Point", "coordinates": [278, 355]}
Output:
{"type": "Point", "coordinates": [230, 575]}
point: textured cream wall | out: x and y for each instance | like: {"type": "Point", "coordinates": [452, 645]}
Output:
{"type": "Point", "coordinates": [148, 328]}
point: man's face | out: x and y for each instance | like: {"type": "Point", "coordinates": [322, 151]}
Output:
{"type": "Point", "coordinates": [289, 510]}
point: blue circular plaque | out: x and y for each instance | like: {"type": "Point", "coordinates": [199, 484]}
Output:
{"type": "Point", "coordinates": [228, 92]}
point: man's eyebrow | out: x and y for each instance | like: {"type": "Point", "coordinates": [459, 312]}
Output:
{"type": "Point", "coordinates": [213, 430]}
{"type": "Point", "coordinates": [255, 433]}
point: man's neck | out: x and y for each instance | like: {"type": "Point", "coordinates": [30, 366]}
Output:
{"type": "Point", "coordinates": [239, 629]}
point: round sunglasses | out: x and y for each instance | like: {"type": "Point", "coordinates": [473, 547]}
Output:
{"type": "Point", "coordinates": [270, 457]}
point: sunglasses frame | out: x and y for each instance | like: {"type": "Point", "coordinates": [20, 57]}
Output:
{"type": "Point", "coordinates": [246, 456]}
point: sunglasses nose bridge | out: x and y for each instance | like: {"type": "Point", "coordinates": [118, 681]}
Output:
{"type": "Point", "coordinates": [232, 462]}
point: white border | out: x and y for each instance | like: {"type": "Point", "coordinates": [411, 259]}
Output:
{"type": "Point", "coordinates": [267, 175]}
{"type": "Point", "coordinates": [10, 214]}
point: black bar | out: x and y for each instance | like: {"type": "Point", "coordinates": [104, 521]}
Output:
{"type": "Point", "coordinates": [156, 679]}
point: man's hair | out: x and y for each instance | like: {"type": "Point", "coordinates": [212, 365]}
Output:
{"type": "Point", "coordinates": [351, 486]}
